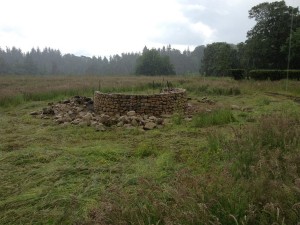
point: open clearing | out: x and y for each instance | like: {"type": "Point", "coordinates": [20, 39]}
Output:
{"type": "Point", "coordinates": [236, 162]}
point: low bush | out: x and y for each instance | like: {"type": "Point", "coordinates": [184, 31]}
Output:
{"type": "Point", "coordinates": [237, 74]}
{"type": "Point", "coordinates": [274, 74]}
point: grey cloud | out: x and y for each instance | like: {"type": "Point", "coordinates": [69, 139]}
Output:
{"type": "Point", "coordinates": [230, 20]}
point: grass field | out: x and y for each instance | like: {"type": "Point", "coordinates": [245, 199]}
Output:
{"type": "Point", "coordinates": [236, 162]}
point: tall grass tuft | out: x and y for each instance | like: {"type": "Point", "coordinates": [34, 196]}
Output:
{"type": "Point", "coordinates": [266, 163]}
{"type": "Point", "coordinates": [218, 117]}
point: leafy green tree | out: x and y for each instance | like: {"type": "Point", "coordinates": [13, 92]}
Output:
{"type": "Point", "coordinates": [266, 38]}
{"type": "Point", "coordinates": [197, 56]}
{"type": "Point", "coordinates": [152, 63]}
{"type": "Point", "coordinates": [295, 49]}
{"type": "Point", "coordinates": [242, 57]}
{"type": "Point", "coordinates": [218, 58]}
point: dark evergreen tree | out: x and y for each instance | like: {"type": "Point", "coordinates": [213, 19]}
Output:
{"type": "Point", "coordinates": [152, 63]}
{"type": "Point", "coordinates": [52, 62]}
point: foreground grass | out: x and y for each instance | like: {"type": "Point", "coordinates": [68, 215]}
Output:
{"type": "Point", "coordinates": [223, 167]}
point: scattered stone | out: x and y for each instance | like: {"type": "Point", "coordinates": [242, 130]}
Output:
{"type": "Point", "coordinates": [35, 113]}
{"type": "Point", "coordinates": [94, 123]}
{"type": "Point", "coordinates": [105, 119]}
{"type": "Point", "coordinates": [120, 124]}
{"type": "Point", "coordinates": [206, 100]}
{"type": "Point", "coordinates": [60, 120]}
{"type": "Point", "coordinates": [79, 111]}
{"type": "Point", "coordinates": [131, 113]}
{"type": "Point", "coordinates": [48, 111]}
{"type": "Point", "coordinates": [76, 121]}
{"type": "Point", "coordinates": [128, 126]}
{"type": "Point", "coordinates": [83, 123]}
{"type": "Point", "coordinates": [247, 109]}
{"type": "Point", "coordinates": [100, 127]}
{"type": "Point", "coordinates": [235, 107]}
{"type": "Point", "coordinates": [153, 118]}
{"type": "Point", "coordinates": [149, 126]}
{"type": "Point", "coordinates": [134, 123]}
{"type": "Point", "coordinates": [87, 117]}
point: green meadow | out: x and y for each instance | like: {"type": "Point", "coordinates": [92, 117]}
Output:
{"type": "Point", "coordinates": [236, 161]}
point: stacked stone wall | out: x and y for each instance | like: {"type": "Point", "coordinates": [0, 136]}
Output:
{"type": "Point", "coordinates": [164, 103]}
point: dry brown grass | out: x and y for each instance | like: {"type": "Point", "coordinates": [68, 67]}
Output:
{"type": "Point", "coordinates": [11, 86]}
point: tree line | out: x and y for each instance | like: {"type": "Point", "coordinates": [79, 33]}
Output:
{"type": "Point", "coordinates": [52, 62]}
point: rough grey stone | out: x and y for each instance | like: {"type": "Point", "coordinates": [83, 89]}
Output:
{"type": "Point", "coordinates": [149, 126]}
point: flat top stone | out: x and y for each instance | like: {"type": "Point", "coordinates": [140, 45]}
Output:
{"type": "Point", "coordinates": [131, 113]}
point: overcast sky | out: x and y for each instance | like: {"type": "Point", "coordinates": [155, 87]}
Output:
{"type": "Point", "coordinates": [106, 27]}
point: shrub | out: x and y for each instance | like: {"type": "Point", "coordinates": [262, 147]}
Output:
{"type": "Point", "coordinates": [237, 74]}
{"type": "Point", "coordinates": [274, 74]}
{"type": "Point", "coordinates": [224, 91]}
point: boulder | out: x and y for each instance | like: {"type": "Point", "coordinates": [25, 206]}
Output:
{"type": "Point", "coordinates": [153, 118]}
{"type": "Point", "coordinates": [149, 126]}
{"type": "Point", "coordinates": [48, 111]}
{"type": "Point", "coordinates": [134, 123]}
{"type": "Point", "coordinates": [120, 124]}
{"type": "Point", "coordinates": [100, 127]}
{"type": "Point", "coordinates": [131, 113]}
{"type": "Point", "coordinates": [76, 121]}
{"type": "Point", "coordinates": [87, 117]}
{"type": "Point", "coordinates": [104, 119]}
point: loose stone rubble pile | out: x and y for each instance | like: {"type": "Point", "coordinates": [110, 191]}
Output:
{"type": "Point", "coordinates": [80, 111]}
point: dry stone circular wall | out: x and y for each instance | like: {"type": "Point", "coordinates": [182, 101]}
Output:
{"type": "Point", "coordinates": [164, 103]}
